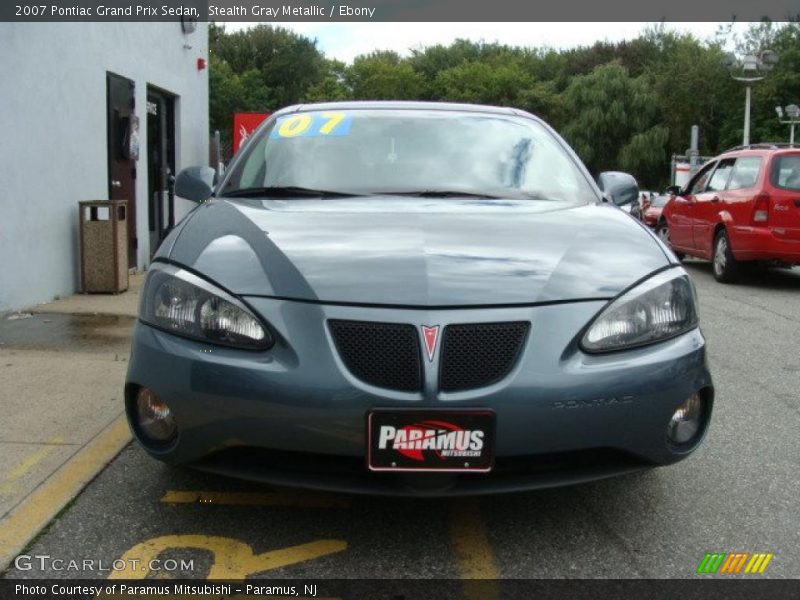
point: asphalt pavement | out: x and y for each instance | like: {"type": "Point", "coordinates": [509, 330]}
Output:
{"type": "Point", "coordinates": [738, 493]}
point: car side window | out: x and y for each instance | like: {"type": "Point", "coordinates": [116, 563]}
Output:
{"type": "Point", "coordinates": [745, 173]}
{"type": "Point", "coordinates": [721, 175]}
{"type": "Point", "coordinates": [786, 172]}
{"type": "Point", "coordinates": [701, 179]}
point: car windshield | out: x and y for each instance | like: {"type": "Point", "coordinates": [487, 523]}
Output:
{"type": "Point", "coordinates": [415, 152]}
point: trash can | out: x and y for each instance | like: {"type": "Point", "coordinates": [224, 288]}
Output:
{"type": "Point", "coordinates": [104, 246]}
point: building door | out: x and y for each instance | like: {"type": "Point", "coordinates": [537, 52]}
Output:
{"type": "Point", "coordinates": [123, 136]}
{"type": "Point", "coordinates": [160, 165]}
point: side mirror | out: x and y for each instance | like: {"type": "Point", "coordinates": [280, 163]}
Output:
{"type": "Point", "coordinates": [674, 190]}
{"type": "Point", "coordinates": [620, 187]}
{"type": "Point", "coordinates": [196, 183]}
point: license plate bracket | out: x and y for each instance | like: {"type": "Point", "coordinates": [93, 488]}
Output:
{"type": "Point", "coordinates": [420, 440]}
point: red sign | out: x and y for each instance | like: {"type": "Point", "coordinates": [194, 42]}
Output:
{"type": "Point", "coordinates": [244, 124]}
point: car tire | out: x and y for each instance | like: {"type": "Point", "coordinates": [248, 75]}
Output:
{"type": "Point", "coordinates": [725, 267]}
{"type": "Point", "coordinates": [662, 231]}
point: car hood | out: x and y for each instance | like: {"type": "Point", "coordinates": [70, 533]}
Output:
{"type": "Point", "coordinates": [415, 252]}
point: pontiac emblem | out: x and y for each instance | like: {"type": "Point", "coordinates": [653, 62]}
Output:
{"type": "Point", "coordinates": [430, 333]}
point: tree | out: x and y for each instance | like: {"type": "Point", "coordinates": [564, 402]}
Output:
{"type": "Point", "coordinates": [287, 63]}
{"type": "Point", "coordinates": [482, 83]}
{"type": "Point", "coordinates": [333, 85]}
{"type": "Point", "coordinates": [691, 87]}
{"type": "Point", "coordinates": [230, 92]}
{"type": "Point", "coordinates": [781, 87]}
{"type": "Point", "coordinates": [612, 119]}
{"type": "Point", "coordinates": [383, 76]}
{"type": "Point", "coordinates": [431, 61]}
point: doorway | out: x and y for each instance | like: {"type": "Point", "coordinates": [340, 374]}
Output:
{"type": "Point", "coordinates": [160, 165]}
{"type": "Point", "coordinates": [122, 131]}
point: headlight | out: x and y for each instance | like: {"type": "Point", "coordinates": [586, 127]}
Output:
{"type": "Point", "coordinates": [182, 303]}
{"type": "Point", "coordinates": [660, 308]}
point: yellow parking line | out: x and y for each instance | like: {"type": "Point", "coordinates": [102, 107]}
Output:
{"type": "Point", "coordinates": [233, 559]}
{"type": "Point", "coordinates": [32, 460]}
{"type": "Point", "coordinates": [9, 484]}
{"type": "Point", "coordinates": [473, 553]}
{"type": "Point", "coordinates": [293, 499]}
{"type": "Point", "coordinates": [36, 511]}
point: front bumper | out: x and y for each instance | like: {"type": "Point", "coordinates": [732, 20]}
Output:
{"type": "Point", "coordinates": [294, 414]}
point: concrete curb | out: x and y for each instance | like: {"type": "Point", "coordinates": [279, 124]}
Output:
{"type": "Point", "coordinates": [36, 511]}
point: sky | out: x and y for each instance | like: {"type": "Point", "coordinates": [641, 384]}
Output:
{"type": "Point", "coordinates": [344, 41]}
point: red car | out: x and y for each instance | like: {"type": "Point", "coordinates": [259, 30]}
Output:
{"type": "Point", "coordinates": [742, 206]}
{"type": "Point", "coordinates": [653, 209]}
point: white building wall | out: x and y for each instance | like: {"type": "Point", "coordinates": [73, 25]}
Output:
{"type": "Point", "coordinates": [53, 142]}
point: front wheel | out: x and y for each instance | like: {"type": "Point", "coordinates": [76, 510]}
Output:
{"type": "Point", "coordinates": [726, 267]}
{"type": "Point", "coordinates": [662, 231]}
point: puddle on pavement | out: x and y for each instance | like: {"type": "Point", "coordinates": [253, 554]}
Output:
{"type": "Point", "coordinates": [65, 332]}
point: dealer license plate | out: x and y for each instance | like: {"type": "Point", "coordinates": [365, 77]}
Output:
{"type": "Point", "coordinates": [430, 440]}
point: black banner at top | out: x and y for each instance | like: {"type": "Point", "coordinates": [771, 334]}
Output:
{"type": "Point", "coordinates": [266, 11]}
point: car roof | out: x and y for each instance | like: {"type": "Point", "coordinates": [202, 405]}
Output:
{"type": "Point", "coordinates": [404, 105]}
{"type": "Point", "coordinates": [758, 150]}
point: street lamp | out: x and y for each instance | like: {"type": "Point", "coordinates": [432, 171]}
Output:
{"type": "Point", "coordinates": [792, 114]}
{"type": "Point", "coordinates": [749, 69]}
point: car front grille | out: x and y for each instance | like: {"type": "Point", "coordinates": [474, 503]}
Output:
{"type": "Point", "coordinates": [479, 354]}
{"type": "Point", "coordinates": [388, 355]}
{"type": "Point", "coordinates": [385, 355]}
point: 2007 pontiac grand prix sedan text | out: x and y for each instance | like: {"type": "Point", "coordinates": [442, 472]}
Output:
{"type": "Point", "coordinates": [413, 298]}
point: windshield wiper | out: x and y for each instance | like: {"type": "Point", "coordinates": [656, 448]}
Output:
{"type": "Point", "coordinates": [286, 192]}
{"type": "Point", "coordinates": [441, 194]}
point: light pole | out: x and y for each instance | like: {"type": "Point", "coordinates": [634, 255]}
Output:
{"type": "Point", "coordinates": [749, 69]}
{"type": "Point", "coordinates": [792, 112]}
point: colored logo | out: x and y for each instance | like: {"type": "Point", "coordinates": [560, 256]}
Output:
{"type": "Point", "coordinates": [446, 440]}
{"type": "Point", "coordinates": [430, 334]}
{"type": "Point", "coordinates": [734, 563]}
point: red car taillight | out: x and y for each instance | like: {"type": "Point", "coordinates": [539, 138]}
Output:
{"type": "Point", "coordinates": [761, 209]}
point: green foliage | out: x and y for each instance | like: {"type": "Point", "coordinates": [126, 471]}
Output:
{"type": "Point", "coordinates": [691, 87]}
{"type": "Point", "coordinates": [287, 63]}
{"type": "Point", "coordinates": [233, 92]}
{"type": "Point", "coordinates": [259, 69]}
{"type": "Point", "coordinates": [623, 106]}
{"type": "Point", "coordinates": [482, 83]}
{"type": "Point", "coordinates": [383, 76]}
{"type": "Point", "coordinates": [780, 88]}
{"type": "Point", "coordinates": [333, 84]}
{"type": "Point", "coordinates": [609, 108]}
{"type": "Point", "coordinates": [646, 154]}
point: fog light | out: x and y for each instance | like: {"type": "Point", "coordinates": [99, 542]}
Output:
{"type": "Point", "coordinates": [687, 422]}
{"type": "Point", "coordinates": [154, 419]}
